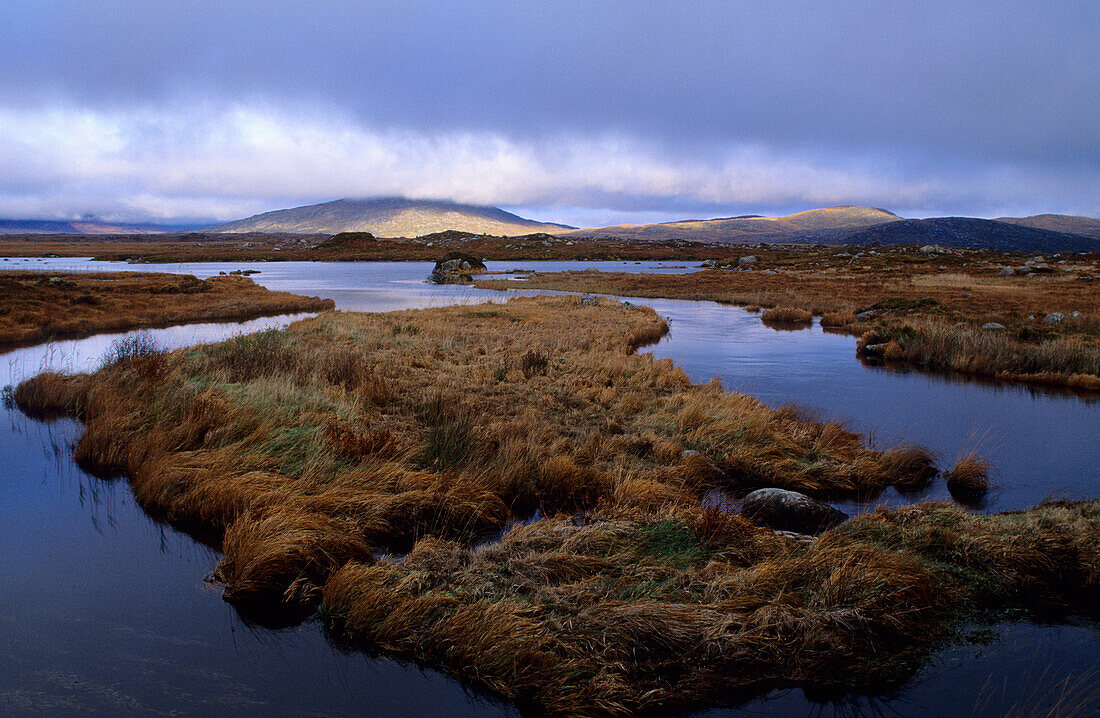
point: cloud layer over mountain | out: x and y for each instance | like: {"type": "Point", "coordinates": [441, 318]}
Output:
{"type": "Point", "coordinates": [576, 112]}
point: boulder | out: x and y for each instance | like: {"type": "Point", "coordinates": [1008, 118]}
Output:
{"type": "Point", "coordinates": [1076, 315]}
{"type": "Point", "coordinates": [785, 510]}
{"type": "Point", "coordinates": [993, 325]}
{"type": "Point", "coordinates": [454, 264]}
{"type": "Point", "coordinates": [590, 301]}
{"type": "Point", "coordinates": [746, 260]}
{"type": "Point", "coordinates": [1054, 318]}
{"type": "Point", "coordinates": [1006, 272]}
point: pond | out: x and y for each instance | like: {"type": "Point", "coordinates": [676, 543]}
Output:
{"type": "Point", "coordinates": [105, 612]}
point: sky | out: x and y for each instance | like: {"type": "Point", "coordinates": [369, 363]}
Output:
{"type": "Point", "coordinates": [587, 113]}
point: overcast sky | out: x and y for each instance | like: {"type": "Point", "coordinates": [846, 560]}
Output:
{"type": "Point", "coordinates": [582, 112]}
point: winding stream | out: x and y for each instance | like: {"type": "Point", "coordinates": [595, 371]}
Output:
{"type": "Point", "coordinates": [104, 612]}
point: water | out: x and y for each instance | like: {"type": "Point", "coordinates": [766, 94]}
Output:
{"type": "Point", "coordinates": [102, 611]}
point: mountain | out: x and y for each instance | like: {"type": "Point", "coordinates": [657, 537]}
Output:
{"type": "Point", "coordinates": [749, 228]}
{"type": "Point", "coordinates": [1084, 226]}
{"type": "Point", "coordinates": [388, 217]}
{"type": "Point", "coordinates": [89, 226]}
{"type": "Point", "coordinates": [968, 232]}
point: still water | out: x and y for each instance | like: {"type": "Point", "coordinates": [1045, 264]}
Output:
{"type": "Point", "coordinates": [104, 612]}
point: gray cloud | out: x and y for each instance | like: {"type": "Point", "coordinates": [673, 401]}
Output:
{"type": "Point", "coordinates": [211, 109]}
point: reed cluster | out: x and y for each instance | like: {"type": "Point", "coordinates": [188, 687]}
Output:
{"type": "Point", "coordinates": [311, 454]}
{"type": "Point", "coordinates": [36, 307]}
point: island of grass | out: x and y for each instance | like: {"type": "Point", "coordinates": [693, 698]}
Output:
{"type": "Point", "coordinates": [509, 493]}
{"type": "Point", "coordinates": [953, 312]}
{"type": "Point", "coordinates": [37, 307]}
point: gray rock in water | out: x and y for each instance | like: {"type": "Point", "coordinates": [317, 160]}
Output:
{"type": "Point", "coordinates": [590, 301]}
{"type": "Point", "coordinates": [790, 511]}
{"type": "Point", "coordinates": [1006, 272]}
{"type": "Point", "coordinates": [993, 325]}
{"type": "Point", "coordinates": [1054, 317]}
{"type": "Point", "coordinates": [749, 259]}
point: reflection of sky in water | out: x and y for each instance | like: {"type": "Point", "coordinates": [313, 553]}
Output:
{"type": "Point", "coordinates": [105, 612]}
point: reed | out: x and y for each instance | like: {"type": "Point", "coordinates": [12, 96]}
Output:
{"type": "Point", "coordinates": [627, 596]}
{"type": "Point", "coordinates": [38, 307]}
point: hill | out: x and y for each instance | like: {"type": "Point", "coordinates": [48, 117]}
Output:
{"type": "Point", "coordinates": [968, 233]}
{"type": "Point", "coordinates": [749, 228]}
{"type": "Point", "coordinates": [389, 217]}
{"type": "Point", "coordinates": [1084, 226]}
{"type": "Point", "coordinates": [47, 226]}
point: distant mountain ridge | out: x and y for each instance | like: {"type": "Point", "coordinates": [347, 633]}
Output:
{"type": "Point", "coordinates": [79, 226]}
{"type": "Point", "coordinates": [389, 217]}
{"type": "Point", "coordinates": [749, 228]}
{"type": "Point", "coordinates": [1070, 224]}
{"type": "Point", "coordinates": [967, 233]}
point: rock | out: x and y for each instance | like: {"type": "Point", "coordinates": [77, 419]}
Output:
{"type": "Point", "coordinates": [628, 305]}
{"type": "Point", "coordinates": [590, 301]}
{"type": "Point", "coordinates": [1076, 315]}
{"type": "Point", "coordinates": [1006, 272]}
{"type": "Point", "coordinates": [869, 314]}
{"type": "Point", "coordinates": [874, 349]}
{"type": "Point", "coordinates": [746, 260]}
{"type": "Point", "coordinates": [1033, 261]}
{"type": "Point", "coordinates": [454, 263]}
{"type": "Point", "coordinates": [1054, 318]}
{"type": "Point", "coordinates": [790, 511]}
{"type": "Point", "coordinates": [932, 249]}
{"type": "Point", "coordinates": [993, 325]}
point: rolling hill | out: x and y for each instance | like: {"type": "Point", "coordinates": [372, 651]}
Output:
{"type": "Point", "coordinates": [389, 217]}
{"type": "Point", "coordinates": [751, 228]}
{"type": "Point", "coordinates": [49, 226]}
{"type": "Point", "coordinates": [1069, 224]}
{"type": "Point", "coordinates": [969, 233]}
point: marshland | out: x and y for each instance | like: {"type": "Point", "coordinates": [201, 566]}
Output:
{"type": "Point", "coordinates": [501, 492]}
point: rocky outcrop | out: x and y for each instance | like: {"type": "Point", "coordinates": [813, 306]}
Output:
{"type": "Point", "coordinates": [455, 268]}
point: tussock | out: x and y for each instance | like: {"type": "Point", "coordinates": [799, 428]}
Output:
{"type": "Point", "coordinates": [40, 306]}
{"type": "Point", "coordinates": [626, 596]}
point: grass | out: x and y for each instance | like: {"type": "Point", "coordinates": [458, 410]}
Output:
{"type": "Point", "coordinates": [35, 307]}
{"type": "Point", "coordinates": [786, 315]}
{"type": "Point", "coordinates": [627, 596]}
{"type": "Point", "coordinates": [968, 479]}
{"type": "Point", "coordinates": [925, 311]}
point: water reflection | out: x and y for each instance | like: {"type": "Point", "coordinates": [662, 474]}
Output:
{"type": "Point", "coordinates": [105, 611]}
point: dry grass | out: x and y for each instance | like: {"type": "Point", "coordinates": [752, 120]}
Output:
{"type": "Point", "coordinates": [628, 597]}
{"type": "Point", "coordinates": [35, 307]}
{"type": "Point", "coordinates": [929, 310]}
{"type": "Point", "coordinates": [968, 479]}
{"type": "Point", "coordinates": [786, 315]}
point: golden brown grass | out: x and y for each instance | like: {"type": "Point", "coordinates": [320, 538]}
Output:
{"type": "Point", "coordinates": [310, 450]}
{"type": "Point", "coordinates": [968, 479]}
{"type": "Point", "coordinates": [786, 315]}
{"type": "Point", "coordinates": [928, 310]}
{"type": "Point", "coordinates": [35, 307]}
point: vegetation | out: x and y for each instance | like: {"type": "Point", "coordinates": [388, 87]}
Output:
{"type": "Point", "coordinates": [35, 307]}
{"type": "Point", "coordinates": [948, 313]}
{"type": "Point", "coordinates": [309, 453]}
{"type": "Point", "coordinates": [348, 247]}
{"type": "Point", "coordinates": [786, 315]}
